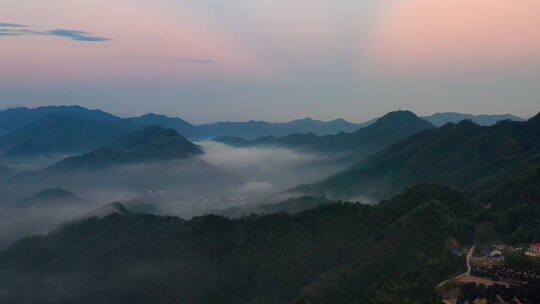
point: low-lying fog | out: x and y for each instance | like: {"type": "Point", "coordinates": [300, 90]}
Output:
{"type": "Point", "coordinates": [223, 177]}
{"type": "Point", "coordinates": [265, 170]}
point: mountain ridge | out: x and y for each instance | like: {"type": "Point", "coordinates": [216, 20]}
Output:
{"type": "Point", "coordinates": [14, 118]}
{"type": "Point", "coordinates": [149, 144]}
{"type": "Point", "coordinates": [386, 130]}
{"type": "Point", "coordinates": [46, 196]}
{"type": "Point", "coordinates": [441, 118]}
{"type": "Point", "coordinates": [455, 154]}
{"type": "Point", "coordinates": [58, 133]}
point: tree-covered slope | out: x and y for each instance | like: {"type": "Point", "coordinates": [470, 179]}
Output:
{"type": "Point", "coordinates": [512, 199]}
{"type": "Point", "coordinates": [336, 253]}
{"type": "Point", "coordinates": [146, 145]}
{"type": "Point", "coordinates": [457, 155]}
{"type": "Point", "coordinates": [291, 206]}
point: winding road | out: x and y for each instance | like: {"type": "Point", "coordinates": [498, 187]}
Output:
{"type": "Point", "coordinates": [466, 273]}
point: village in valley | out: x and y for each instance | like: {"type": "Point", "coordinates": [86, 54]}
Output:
{"type": "Point", "coordinates": [496, 273]}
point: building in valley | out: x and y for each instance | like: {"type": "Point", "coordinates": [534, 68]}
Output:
{"type": "Point", "coordinates": [534, 250]}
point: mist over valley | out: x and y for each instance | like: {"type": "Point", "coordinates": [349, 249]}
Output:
{"type": "Point", "coordinates": [270, 152]}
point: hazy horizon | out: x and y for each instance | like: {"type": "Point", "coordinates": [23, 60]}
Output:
{"type": "Point", "coordinates": [246, 201]}
{"type": "Point", "coordinates": [247, 119]}
{"type": "Point", "coordinates": [275, 60]}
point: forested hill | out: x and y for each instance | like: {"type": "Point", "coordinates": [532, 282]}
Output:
{"type": "Point", "coordinates": [512, 198]}
{"type": "Point", "coordinates": [151, 145]}
{"type": "Point", "coordinates": [393, 252]}
{"type": "Point", "coordinates": [336, 253]}
{"type": "Point", "coordinates": [58, 133]}
{"type": "Point", "coordinates": [386, 130]}
{"type": "Point", "coordinates": [146, 145]}
{"type": "Point", "coordinates": [454, 154]}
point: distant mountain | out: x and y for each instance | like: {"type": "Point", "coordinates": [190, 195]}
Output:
{"type": "Point", "coordinates": [255, 129]}
{"type": "Point", "coordinates": [147, 145]}
{"type": "Point", "coordinates": [309, 125]}
{"type": "Point", "coordinates": [56, 133]}
{"type": "Point", "coordinates": [386, 130]}
{"type": "Point", "coordinates": [439, 119]}
{"type": "Point", "coordinates": [455, 154]}
{"type": "Point", "coordinates": [50, 196]}
{"type": "Point", "coordinates": [182, 126]}
{"type": "Point", "coordinates": [37, 214]}
{"type": "Point", "coordinates": [12, 119]}
{"type": "Point", "coordinates": [151, 162]}
{"type": "Point", "coordinates": [250, 129]}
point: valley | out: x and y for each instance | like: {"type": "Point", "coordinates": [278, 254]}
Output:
{"type": "Point", "coordinates": [282, 220]}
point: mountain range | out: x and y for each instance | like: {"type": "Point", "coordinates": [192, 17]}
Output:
{"type": "Point", "coordinates": [250, 129]}
{"type": "Point", "coordinates": [386, 130]}
{"type": "Point", "coordinates": [64, 133]}
{"type": "Point", "coordinates": [124, 165]}
{"type": "Point", "coordinates": [440, 119]}
{"type": "Point", "coordinates": [65, 130]}
{"type": "Point", "coordinates": [454, 154]}
{"type": "Point", "coordinates": [441, 187]}
{"type": "Point", "coordinates": [334, 251]}
{"type": "Point", "coordinates": [16, 118]}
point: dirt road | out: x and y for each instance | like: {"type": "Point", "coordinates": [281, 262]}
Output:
{"type": "Point", "coordinates": [463, 275]}
{"type": "Point", "coordinates": [466, 273]}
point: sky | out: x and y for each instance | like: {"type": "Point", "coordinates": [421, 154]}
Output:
{"type": "Point", "coordinates": [276, 60]}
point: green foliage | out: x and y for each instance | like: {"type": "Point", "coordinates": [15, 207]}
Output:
{"type": "Point", "coordinates": [520, 261]}
{"type": "Point", "coordinates": [512, 200]}
{"type": "Point", "coordinates": [335, 253]}
{"type": "Point", "coordinates": [485, 232]}
{"type": "Point", "coordinates": [293, 205]}
{"type": "Point", "coordinates": [457, 155]}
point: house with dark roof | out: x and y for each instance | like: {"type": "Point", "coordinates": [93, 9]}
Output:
{"type": "Point", "coordinates": [458, 251]}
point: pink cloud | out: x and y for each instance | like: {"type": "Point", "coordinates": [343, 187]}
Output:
{"type": "Point", "coordinates": [456, 33]}
{"type": "Point", "coordinates": [146, 43]}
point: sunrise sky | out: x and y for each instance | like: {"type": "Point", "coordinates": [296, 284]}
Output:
{"type": "Point", "coordinates": [209, 60]}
